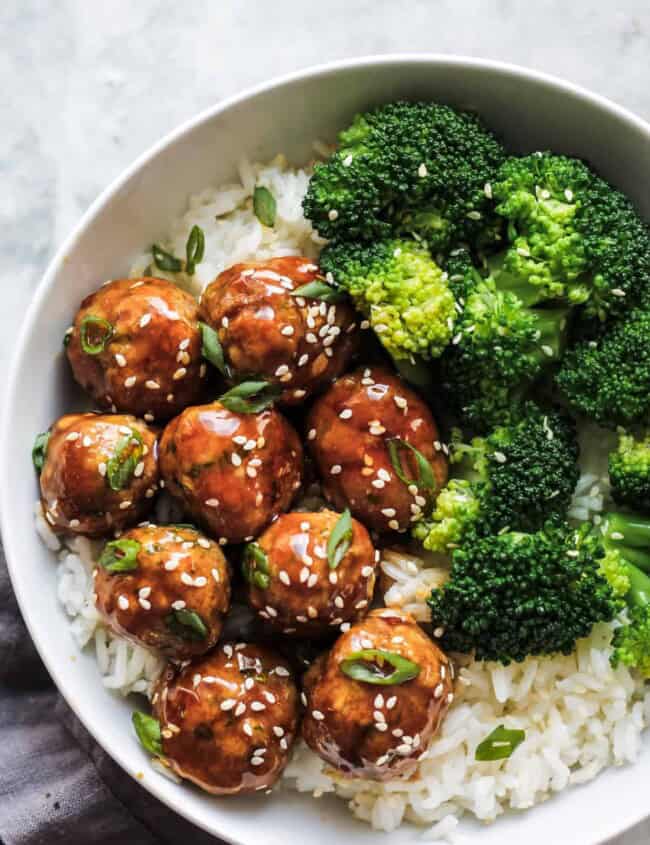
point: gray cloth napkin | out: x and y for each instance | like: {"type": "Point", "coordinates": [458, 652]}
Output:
{"type": "Point", "coordinates": [56, 783]}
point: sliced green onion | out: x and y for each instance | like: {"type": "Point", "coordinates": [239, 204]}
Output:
{"type": "Point", "coordinates": [186, 624]}
{"type": "Point", "coordinates": [212, 350]}
{"type": "Point", "coordinates": [371, 665]}
{"type": "Point", "coordinates": [339, 540]}
{"type": "Point", "coordinates": [165, 260]}
{"type": "Point", "coordinates": [255, 566]}
{"type": "Point", "coordinates": [426, 479]}
{"type": "Point", "coordinates": [319, 290]}
{"type": "Point", "coordinates": [250, 397]}
{"type": "Point", "coordinates": [194, 249]}
{"type": "Point", "coordinates": [499, 745]}
{"type": "Point", "coordinates": [264, 205]}
{"type": "Point", "coordinates": [95, 332]}
{"type": "Point", "coordinates": [148, 731]}
{"type": "Point", "coordinates": [120, 555]}
{"type": "Point", "coordinates": [184, 525]}
{"type": "Point", "coordinates": [127, 455]}
{"type": "Point", "coordinates": [39, 450]}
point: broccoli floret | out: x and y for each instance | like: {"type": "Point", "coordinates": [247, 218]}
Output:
{"type": "Point", "coordinates": [629, 471]}
{"type": "Point", "coordinates": [420, 166]}
{"type": "Point", "coordinates": [607, 378]}
{"type": "Point", "coordinates": [626, 561]}
{"type": "Point", "coordinates": [500, 346]}
{"type": "Point", "coordinates": [401, 290]}
{"type": "Point", "coordinates": [514, 595]}
{"type": "Point", "coordinates": [572, 235]}
{"type": "Point", "coordinates": [516, 478]}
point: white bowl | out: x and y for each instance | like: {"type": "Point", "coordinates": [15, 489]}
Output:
{"type": "Point", "coordinates": [531, 111]}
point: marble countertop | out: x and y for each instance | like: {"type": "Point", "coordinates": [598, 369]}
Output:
{"type": "Point", "coordinates": [86, 86]}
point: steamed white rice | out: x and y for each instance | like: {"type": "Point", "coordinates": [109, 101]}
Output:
{"type": "Point", "coordinates": [579, 714]}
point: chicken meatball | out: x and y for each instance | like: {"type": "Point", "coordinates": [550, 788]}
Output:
{"type": "Point", "coordinates": [164, 587]}
{"type": "Point", "coordinates": [311, 572]}
{"type": "Point", "coordinates": [376, 446]}
{"type": "Point", "coordinates": [135, 346]}
{"type": "Point", "coordinates": [228, 719]}
{"type": "Point", "coordinates": [299, 343]}
{"type": "Point", "coordinates": [376, 700]}
{"type": "Point", "coordinates": [233, 472]}
{"type": "Point", "coordinates": [99, 472]}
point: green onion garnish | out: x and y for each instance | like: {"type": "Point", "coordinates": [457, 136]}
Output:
{"type": "Point", "coordinates": [339, 540]}
{"type": "Point", "coordinates": [194, 249]}
{"type": "Point", "coordinates": [264, 205]}
{"type": "Point", "coordinates": [148, 731]}
{"type": "Point", "coordinates": [255, 566]}
{"type": "Point", "coordinates": [212, 350]}
{"type": "Point", "coordinates": [127, 455]}
{"type": "Point", "coordinates": [425, 479]}
{"type": "Point", "coordinates": [375, 666]}
{"type": "Point", "coordinates": [95, 332]}
{"type": "Point", "coordinates": [319, 290]}
{"type": "Point", "coordinates": [499, 745]}
{"type": "Point", "coordinates": [120, 555]}
{"type": "Point", "coordinates": [39, 450]}
{"type": "Point", "coordinates": [186, 624]}
{"type": "Point", "coordinates": [250, 397]}
{"type": "Point", "coordinates": [165, 260]}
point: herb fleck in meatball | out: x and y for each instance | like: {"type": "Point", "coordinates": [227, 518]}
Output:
{"type": "Point", "coordinates": [99, 473]}
{"type": "Point", "coordinates": [311, 572]}
{"type": "Point", "coordinates": [228, 719]}
{"type": "Point", "coordinates": [233, 472]}
{"type": "Point", "coordinates": [376, 445]}
{"type": "Point", "coordinates": [376, 700]}
{"type": "Point", "coordinates": [135, 346]}
{"type": "Point", "coordinates": [298, 342]}
{"type": "Point", "coordinates": [164, 587]}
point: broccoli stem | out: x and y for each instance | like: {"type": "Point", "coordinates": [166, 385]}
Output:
{"type": "Point", "coordinates": [640, 558]}
{"type": "Point", "coordinates": [628, 530]}
{"type": "Point", "coordinates": [639, 592]}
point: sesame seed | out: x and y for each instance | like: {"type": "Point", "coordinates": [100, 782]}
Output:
{"type": "Point", "coordinates": [249, 683]}
{"type": "Point", "coordinates": [310, 337]}
{"type": "Point", "coordinates": [438, 690]}
{"type": "Point", "coordinates": [379, 701]}
{"type": "Point", "coordinates": [144, 604]}
{"type": "Point", "coordinates": [205, 544]}
{"type": "Point", "coordinates": [400, 401]}
{"type": "Point", "coordinates": [499, 457]}
{"type": "Point", "coordinates": [258, 706]}
{"type": "Point", "coordinates": [72, 436]}
{"type": "Point", "coordinates": [151, 384]}
{"type": "Point", "coordinates": [271, 610]}
{"type": "Point", "coordinates": [487, 190]}
{"type": "Point", "coordinates": [338, 601]}
{"type": "Point", "coordinates": [179, 374]}
{"type": "Point", "coordinates": [392, 701]}
{"type": "Point", "coordinates": [125, 504]}
{"type": "Point", "coordinates": [186, 578]}
{"type": "Point", "coordinates": [312, 612]}
{"type": "Point", "coordinates": [367, 572]}
{"type": "Point", "coordinates": [130, 381]}
{"type": "Point", "coordinates": [312, 580]}
{"type": "Point", "coordinates": [282, 370]}
{"type": "Point", "coordinates": [345, 414]}
{"type": "Point", "coordinates": [403, 749]}
{"type": "Point", "coordinates": [171, 565]}
{"type": "Point", "coordinates": [257, 761]}
{"type": "Point", "coordinates": [347, 161]}
{"type": "Point", "coordinates": [381, 726]}
{"type": "Point", "coordinates": [364, 324]}
{"type": "Point", "coordinates": [618, 292]}
{"type": "Point", "coordinates": [474, 215]}
{"type": "Point", "coordinates": [212, 503]}
{"type": "Point", "coordinates": [333, 214]}
{"type": "Point", "coordinates": [123, 603]}
{"type": "Point", "coordinates": [145, 320]}
{"type": "Point", "coordinates": [179, 604]}
{"type": "Point", "coordinates": [287, 331]}
{"type": "Point", "coordinates": [547, 350]}
{"type": "Point", "coordinates": [378, 483]}
{"type": "Point", "coordinates": [568, 193]}
{"type": "Point", "coordinates": [336, 469]}
{"type": "Point", "coordinates": [450, 698]}
{"type": "Point", "coordinates": [120, 360]}
{"type": "Point", "coordinates": [247, 729]}
{"type": "Point", "coordinates": [201, 581]}
{"type": "Point", "coordinates": [394, 524]}
{"type": "Point", "coordinates": [389, 511]}
{"type": "Point", "coordinates": [316, 714]}
{"type": "Point", "coordinates": [422, 171]}
{"type": "Point", "coordinates": [235, 459]}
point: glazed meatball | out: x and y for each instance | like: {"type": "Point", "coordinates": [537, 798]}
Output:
{"type": "Point", "coordinates": [302, 588]}
{"type": "Point", "coordinates": [232, 472]}
{"type": "Point", "coordinates": [164, 587]}
{"type": "Point", "coordinates": [299, 343]}
{"type": "Point", "coordinates": [228, 719]}
{"type": "Point", "coordinates": [100, 473]}
{"type": "Point", "coordinates": [376, 700]}
{"type": "Point", "coordinates": [353, 428]}
{"type": "Point", "coordinates": [135, 346]}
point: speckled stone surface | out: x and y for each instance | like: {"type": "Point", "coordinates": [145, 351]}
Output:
{"type": "Point", "coordinates": [85, 86]}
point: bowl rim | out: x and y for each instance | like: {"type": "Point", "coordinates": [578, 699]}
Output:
{"type": "Point", "coordinates": [434, 60]}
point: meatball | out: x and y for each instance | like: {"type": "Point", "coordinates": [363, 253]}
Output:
{"type": "Point", "coordinates": [376, 700]}
{"type": "Point", "coordinates": [100, 472]}
{"type": "Point", "coordinates": [164, 587]}
{"type": "Point", "coordinates": [300, 588]}
{"type": "Point", "coordinates": [135, 346]}
{"type": "Point", "coordinates": [299, 343]}
{"type": "Point", "coordinates": [228, 719]}
{"type": "Point", "coordinates": [363, 433]}
{"type": "Point", "coordinates": [233, 472]}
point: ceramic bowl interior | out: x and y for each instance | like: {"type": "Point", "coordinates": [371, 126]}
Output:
{"type": "Point", "coordinates": [531, 112]}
